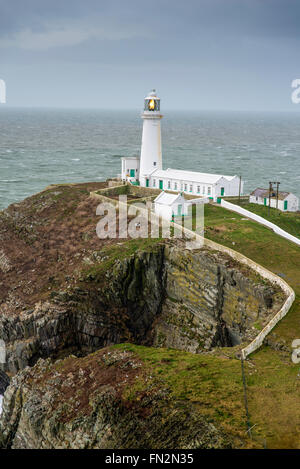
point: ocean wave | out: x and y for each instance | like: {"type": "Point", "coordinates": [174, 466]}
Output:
{"type": "Point", "coordinates": [10, 180]}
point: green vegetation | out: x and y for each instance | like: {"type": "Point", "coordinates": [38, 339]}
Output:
{"type": "Point", "coordinates": [116, 252]}
{"type": "Point", "coordinates": [213, 384]}
{"type": "Point", "coordinates": [288, 221]}
{"type": "Point", "coordinates": [272, 380]}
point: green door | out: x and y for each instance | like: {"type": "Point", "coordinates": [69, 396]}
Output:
{"type": "Point", "coordinates": [285, 205]}
{"type": "Point", "coordinates": [265, 201]}
{"type": "Point", "coordinates": [222, 191]}
{"type": "Point", "coordinates": [147, 182]}
{"type": "Point", "coordinates": [179, 209]}
{"type": "Point", "coordinates": [161, 184]}
{"type": "Point", "coordinates": [132, 173]}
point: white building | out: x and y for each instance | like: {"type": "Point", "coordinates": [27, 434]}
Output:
{"type": "Point", "coordinates": [147, 171]}
{"type": "Point", "coordinates": [287, 202]}
{"type": "Point", "coordinates": [194, 183]}
{"type": "Point", "coordinates": [130, 168]}
{"type": "Point", "coordinates": [166, 205]}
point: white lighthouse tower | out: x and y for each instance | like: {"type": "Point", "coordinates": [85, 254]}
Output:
{"type": "Point", "coordinates": [151, 158]}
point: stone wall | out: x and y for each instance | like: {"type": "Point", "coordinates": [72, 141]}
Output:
{"type": "Point", "coordinates": [261, 220]}
{"type": "Point", "coordinates": [199, 241]}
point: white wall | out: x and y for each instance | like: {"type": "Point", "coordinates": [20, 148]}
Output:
{"type": "Point", "coordinates": [261, 220]}
{"type": "Point", "coordinates": [181, 185]}
{"type": "Point", "coordinates": [128, 164]}
{"type": "Point", "coordinates": [164, 211]}
{"type": "Point", "coordinates": [231, 188]}
{"type": "Point", "coordinates": [293, 203]}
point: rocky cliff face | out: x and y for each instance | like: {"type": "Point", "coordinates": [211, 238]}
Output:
{"type": "Point", "coordinates": [166, 296]}
{"type": "Point", "coordinates": [4, 382]}
{"type": "Point", "coordinates": [211, 301]}
{"type": "Point", "coordinates": [84, 404]}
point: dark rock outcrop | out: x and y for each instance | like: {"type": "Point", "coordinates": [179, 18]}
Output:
{"type": "Point", "coordinates": [4, 382]}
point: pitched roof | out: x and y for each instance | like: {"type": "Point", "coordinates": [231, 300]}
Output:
{"type": "Point", "coordinates": [259, 192]}
{"type": "Point", "coordinates": [190, 176]}
{"type": "Point", "coordinates": [165, 198]}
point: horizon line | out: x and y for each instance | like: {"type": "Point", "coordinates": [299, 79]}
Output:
{"type": "Point", "coordinates": [131, 109]}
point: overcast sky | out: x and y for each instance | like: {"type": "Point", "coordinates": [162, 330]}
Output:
{"type": "Point", "coordinates": [199, 54]}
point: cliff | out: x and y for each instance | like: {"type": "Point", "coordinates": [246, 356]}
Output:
{"type": "Point", "coordinates": [64, 291]}
{"type": "Point", "coordinates": [106, 400]}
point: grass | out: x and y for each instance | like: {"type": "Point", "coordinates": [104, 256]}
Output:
{"type": "Point", "coordinates": [274, 386]}
{"type": "Point", "coordinates": [288, 221]}
{"type": "Point", "coordinates": [116, 252]}
{"type": "Point", "coordinates": [213, 384]}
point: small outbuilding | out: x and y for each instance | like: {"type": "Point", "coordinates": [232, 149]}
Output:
{"type": "Point", "coordinates": [167, 205]}
{"type": "Point", "coordinates": [287, 202]}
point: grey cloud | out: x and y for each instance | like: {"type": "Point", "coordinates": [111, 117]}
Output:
{"type": "Point", "coordinates": [192, 44]}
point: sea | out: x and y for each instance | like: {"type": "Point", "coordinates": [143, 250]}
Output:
{"type": "Point", "coordinates": [39, 147]}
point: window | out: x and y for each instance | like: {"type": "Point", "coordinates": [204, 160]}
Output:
{"type": "Point", "coordinates": [154, 182]}
{"type": "Point", "coordinates": [203, 190]}
{"type": "Point", "coordinates": [154, 164]}
{"type": "Point", "coordinates": [181, 187]}
{"type": "Point", "coordinates": [152, 104]}
{"type": "Point", "coordinates": [208, 190]}
{"type": "Point", "coordinates": [185, 187]}
{"type": "Point", "coordinates": [198, 189]}
{"type": "Point", "coordinates": [175, 186]}
{"type": "Point", "coordinates": [169, 184]}
{"type": "Point", "coordinates": [191, 188]}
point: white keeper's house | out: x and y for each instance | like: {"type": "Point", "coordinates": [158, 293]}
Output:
{"type": "Point", "coordinates": [147, 170]}
{"type": "Point", "coordinates": [287, 202]}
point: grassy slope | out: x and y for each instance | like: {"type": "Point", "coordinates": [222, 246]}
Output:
{"type": "Point", "coordinates": [212, 384]}
{"type": "Point", "coordinates": [272, 377]}
{"type": "Point", "coordinates": [288, 221]}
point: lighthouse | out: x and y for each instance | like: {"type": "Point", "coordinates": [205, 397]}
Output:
{"type": "Point", "coordinates": [151, 157]}
{"type": "Point", "coordinates": [146, 170]}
